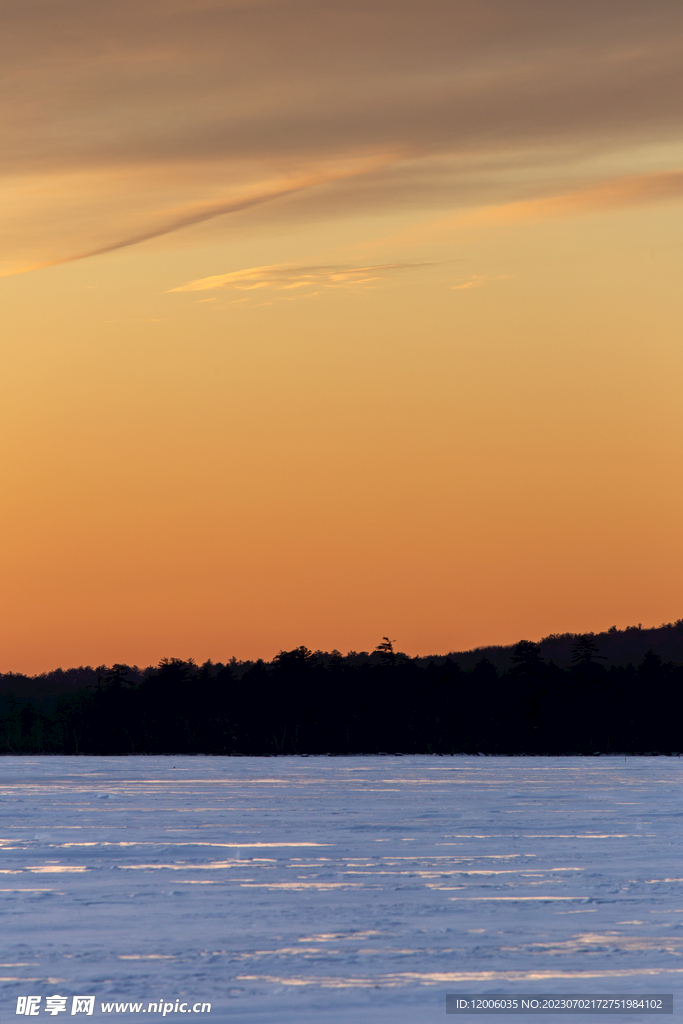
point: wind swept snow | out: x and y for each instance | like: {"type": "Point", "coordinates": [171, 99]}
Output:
{"type": "Point", "coordinates": [338, 889]}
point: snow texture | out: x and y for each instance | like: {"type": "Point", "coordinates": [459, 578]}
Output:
{"type": "Point", "coordinates": [338, 889]}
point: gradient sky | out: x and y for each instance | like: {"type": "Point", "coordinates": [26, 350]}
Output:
{"type": "Point", "coordinates": [323, 321]}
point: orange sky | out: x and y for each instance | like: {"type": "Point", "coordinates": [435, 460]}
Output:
{"type": "Point", "coordinates": [325, 321]}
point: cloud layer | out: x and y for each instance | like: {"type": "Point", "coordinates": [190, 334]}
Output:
{"type": "Point", "coordinates": [158, 109]}
{"type": "Point", "coordinates": [283, 277]}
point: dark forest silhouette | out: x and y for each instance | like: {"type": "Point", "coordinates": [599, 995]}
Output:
{"type": "Point", "coordinates": [306, 702]}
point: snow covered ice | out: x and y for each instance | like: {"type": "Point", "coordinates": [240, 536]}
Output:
{"type": "Point", "coordinates": [338, 889]}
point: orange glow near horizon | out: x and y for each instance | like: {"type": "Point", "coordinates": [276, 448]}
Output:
{"type": "Point", "coordinates": [430, 388]}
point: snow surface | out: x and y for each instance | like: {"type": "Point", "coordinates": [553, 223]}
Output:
{"type": "Point", "coordinates": [339, 889]}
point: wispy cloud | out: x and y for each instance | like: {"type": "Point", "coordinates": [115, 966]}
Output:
{"type": "Point", "coordinates": [283, 277]}
{"type": "Point", "coordinates": [477, 281]}
{"type": "Point", "coordinates": [195, 104]}
{"type": "Point", "coordinates": [198, 213]}
{"type": "Point", "coordinates": [614, 194]}
{"type": "Point", "coordinates": [634, 190]}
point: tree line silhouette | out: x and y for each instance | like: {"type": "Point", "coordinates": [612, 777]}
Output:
{"type": "Point", "coordinates": [323, 703]}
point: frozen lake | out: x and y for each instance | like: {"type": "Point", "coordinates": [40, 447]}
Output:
{"type": "Point", "coordinates": [338, 889]}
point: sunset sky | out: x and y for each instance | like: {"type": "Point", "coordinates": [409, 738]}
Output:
{"type": "Point", "coordinates": [327, 320]}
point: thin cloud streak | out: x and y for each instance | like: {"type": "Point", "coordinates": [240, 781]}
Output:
{"type": "Point", "coordinates": [617, 194]}
{"type": "Point", "coordinates": [284, 277]}
{"type": "Point", "coordinates": [216, 210]}
{"type": "Point", "coordinates": [206, 212]}
{"type": "Point", "coordinates": [478, 281]}
{"type": "Point", "coordinates": [636, 190]}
